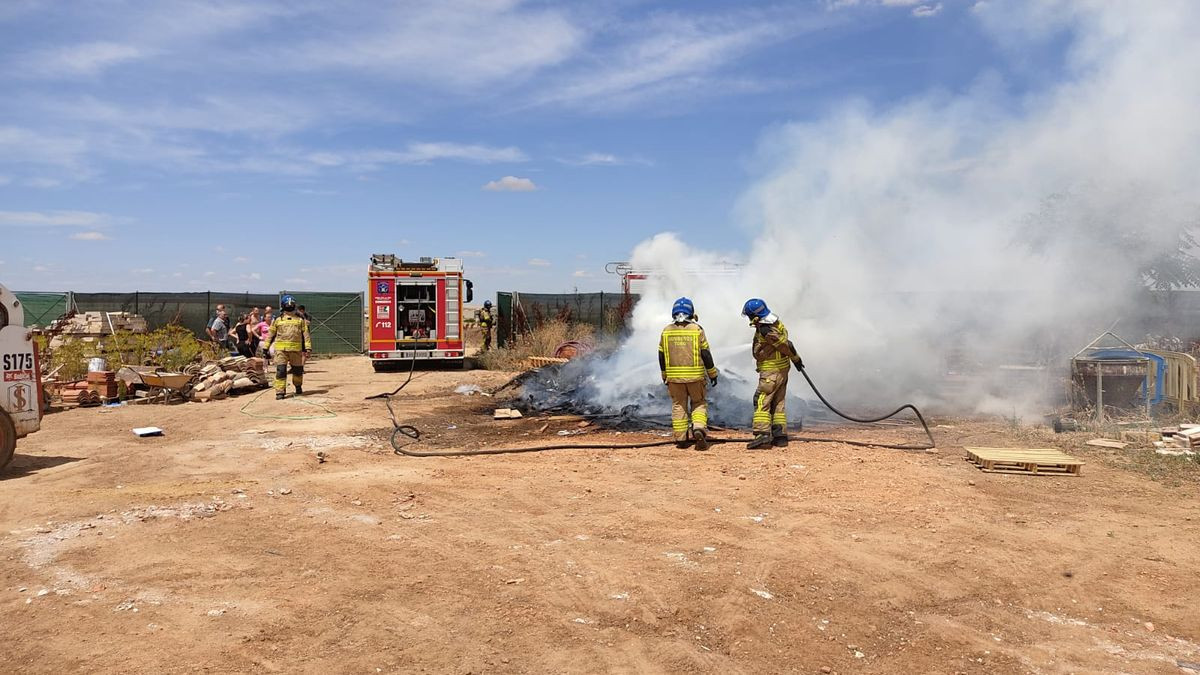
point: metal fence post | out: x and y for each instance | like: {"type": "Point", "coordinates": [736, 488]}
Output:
{"type": "Point", "coordinates": [603, 329]}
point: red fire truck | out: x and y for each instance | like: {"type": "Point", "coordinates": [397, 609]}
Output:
{"type": "Point", "coordinates": [416, 309]}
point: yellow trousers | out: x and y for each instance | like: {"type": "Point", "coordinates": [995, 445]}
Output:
{"type": "Point", "coordinates": [769, 401]}
{"type": "Point", "coordinates": [282, 361]}
{"type": "Point", "coordinates": [685, 396]}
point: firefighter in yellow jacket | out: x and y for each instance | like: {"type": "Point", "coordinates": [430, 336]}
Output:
{"type": "Point", "coordinates": [685, 362]}
{"type": "Point", "coordinates": [774, 355]}
{"type": "Point", "coordinates": [289, 336]}
{"type": "Point", "coordinates": [485, 320]}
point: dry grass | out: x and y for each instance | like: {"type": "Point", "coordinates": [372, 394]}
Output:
{"type": "Point", "coordinates": [541, 342]}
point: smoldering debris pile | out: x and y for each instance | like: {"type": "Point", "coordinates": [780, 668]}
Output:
{"type": "Point", "coordinates": [571, 388]}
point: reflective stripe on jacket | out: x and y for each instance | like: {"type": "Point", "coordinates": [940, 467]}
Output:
{"type": "Point", "coordinates": [680, 347]}
{"type": "Point", "coordinates": [766, 354]}
{"type": "Point", "coordinates": [290, 334]}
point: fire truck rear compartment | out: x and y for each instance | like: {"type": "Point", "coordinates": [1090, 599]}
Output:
{"type": "Point", "coordinates": [416, 314]}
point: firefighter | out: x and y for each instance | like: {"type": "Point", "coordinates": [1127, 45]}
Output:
{"type": "Point", "coordinates": [289, 335]}
{"type": "Point", "coordinates": [685, 361]}
{"type": "Point", "coordinates": [485, 320]}
{"type": "Point", "coordinates": [773, 354]}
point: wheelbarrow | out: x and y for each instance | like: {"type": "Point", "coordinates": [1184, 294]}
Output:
{"type": "Point", "coordinates": [166, 385]}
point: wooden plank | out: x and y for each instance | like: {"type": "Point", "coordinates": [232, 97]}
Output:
{"type": "Point", "coordinates": [1106, 443]}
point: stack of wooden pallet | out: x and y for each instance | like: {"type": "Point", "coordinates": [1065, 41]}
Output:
{"type": "Point", "coordinates": [105, 323]}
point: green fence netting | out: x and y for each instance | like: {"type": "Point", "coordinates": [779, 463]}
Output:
{"type": "Point", "coordinates": [518, 313]}
{"type": "Point", "coordinates": [337, 326]}
{"type": "Point", "coordinates": [42, 308]}
{"type": "Point", "coordinates": [336, 321]}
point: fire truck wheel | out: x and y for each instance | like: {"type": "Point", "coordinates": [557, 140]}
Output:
{"type": "Point", "coordinates": [8, 439]}
{"type": "Point", "coordinates": [456, 364]}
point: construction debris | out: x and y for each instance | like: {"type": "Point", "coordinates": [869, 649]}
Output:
{"type": "Point", "coordinates": [1106, 443]}
{"type": "Point", "coordinates": [233, 374]}
{"type": "Point", "coordinates": [506, 414]}
{"type": "Point", "coordinates": [1181, 440]}
{"type": "Point", "coordinates": [79, 393]}
{"type": "Point", "coordinates": [91, 326]}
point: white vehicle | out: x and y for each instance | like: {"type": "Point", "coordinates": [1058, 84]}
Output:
{"type": "Point", "coordinates": [20, 377]}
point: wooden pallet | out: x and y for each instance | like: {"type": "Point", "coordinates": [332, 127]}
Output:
{"type": "Point", "coordinates": [1040, 461]}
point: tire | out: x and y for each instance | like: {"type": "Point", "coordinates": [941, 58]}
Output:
{"type": "Point", "coordinates": [8, 439]}
{"type": "Point", "coordinates": [455, 364]}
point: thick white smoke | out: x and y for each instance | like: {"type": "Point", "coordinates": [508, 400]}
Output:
{"type": "Point", "coordinates": [985, 223]}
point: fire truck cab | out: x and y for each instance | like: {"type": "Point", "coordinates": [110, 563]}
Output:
{"type": "Point", "coordinates": [20, 378]}
{"type": "Point", "coordinates": [415, 310]}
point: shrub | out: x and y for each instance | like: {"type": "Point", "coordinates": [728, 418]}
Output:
{"type": "Point", "coordinates": [541, 341]}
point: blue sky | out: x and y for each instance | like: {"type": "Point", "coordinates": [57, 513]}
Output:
{"type": "Point", "coordinates": [264, 145]}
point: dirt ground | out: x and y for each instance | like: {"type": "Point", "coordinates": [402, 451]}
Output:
{"type": "Point", "coordinates": [225, 546]}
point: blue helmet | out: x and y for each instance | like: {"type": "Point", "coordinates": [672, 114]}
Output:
{"type": "Point", "coordinates": [487, 304]}
{"type": "Point", "coordinates": [683, 306]}
{"type": "Point", "coordinates": [755, 308]}
{"type": "Point", "coordinates": [287, 303]}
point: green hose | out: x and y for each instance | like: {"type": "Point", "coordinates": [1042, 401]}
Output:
{"type": "Point", "coordinates": [329, 413]}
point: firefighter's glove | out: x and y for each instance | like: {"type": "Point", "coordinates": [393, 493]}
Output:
{"type": "Point", "coordinates": [763, 329]}
{"type": "Point", "coordinates": [712, 381]}
{"type": "Point", "coordinates": [798, 362]}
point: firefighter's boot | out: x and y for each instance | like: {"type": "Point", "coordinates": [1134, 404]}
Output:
{"type": "Point", "coordinates": [299, 390]}
{"type": "Point", "coordinates": [687, 439]}
{"type": "Point", "coordinates": [760, 441]}
{"type": "Point", "coordinates": [279, 395]}
{"type": "Point", "coordinates": [779, 437]}
{"type": "Point", "coordinates": [701, 437]}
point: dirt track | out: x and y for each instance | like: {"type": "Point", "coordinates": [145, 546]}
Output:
{"type": "Point", "coordinates": [225, 546]}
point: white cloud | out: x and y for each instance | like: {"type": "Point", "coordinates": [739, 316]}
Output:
{"type": "Point", "coordinates": [603, 159]}
{"type": "Point", "coordinates": [83, 59]}
{"type": "Point", "coordinates": [43, 182]}
{"type": "Point", "coordinates": [296, 281]}
{"type": "Point", "coordinates": [926, 11]}
{"type": "Point", "coordinates": [142, 270]}
{"type": "Point", "coordinates": [447, 45]}
{"type": "Point", "coordinates": [40, 269]}
{"type": "Point", "coordinates": [54, 218]}
{"type": "Point", "coordinates": [90, 236]}
{"type": "Point", "coordinates": [417, 153]}
{"type": "Point", "coordinates": [675, 54]}
{"type": "Point", "coordinates": [539, 262]}
{"type": "Point", "coordinates": [899, 3]}
{"type": "Point", "coordinates": [510, 184]}
{"type": "Point", "coordinates": [471, 254]}
{"type": "Point", "coordinates": [582, 274]}
{"type": "Point", "coordinates": [241, 259]}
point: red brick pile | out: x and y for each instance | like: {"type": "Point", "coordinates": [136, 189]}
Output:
{"type": "Point", "coordinates": [103, 383]}
{"type": "Point", "coordinates": [80, 393]}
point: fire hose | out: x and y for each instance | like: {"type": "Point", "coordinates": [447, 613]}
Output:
{"type": "Point", "coordinates": [414, 434]}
